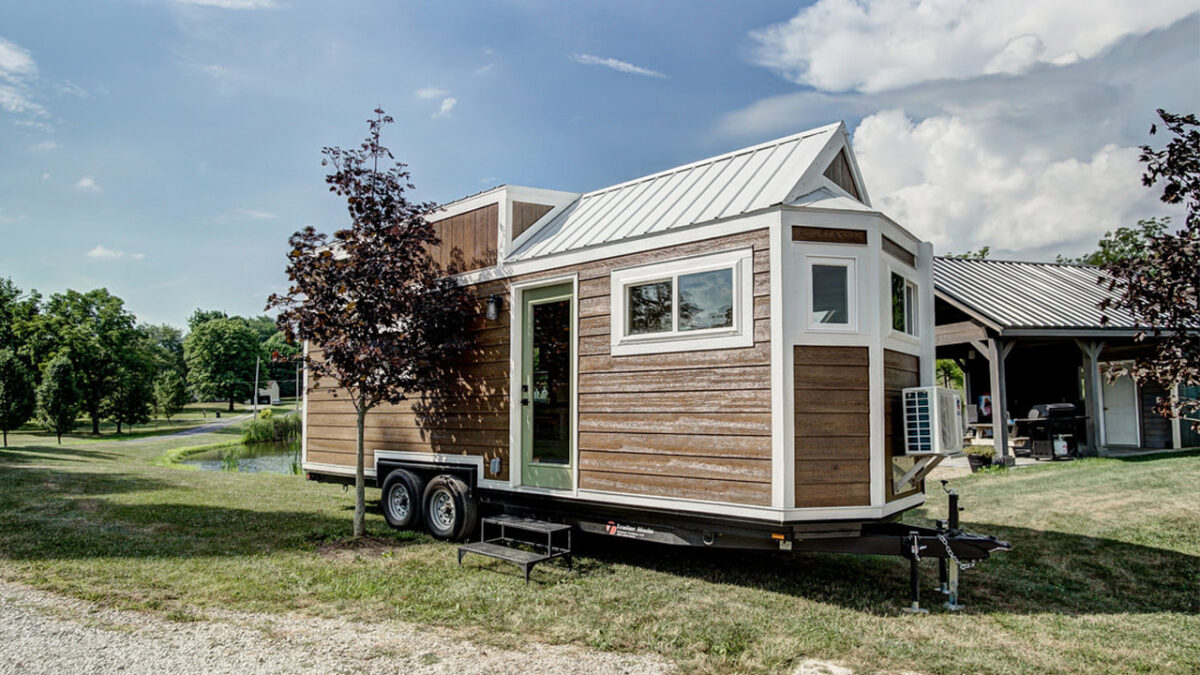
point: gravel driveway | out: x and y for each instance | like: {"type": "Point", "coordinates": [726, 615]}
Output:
{"type": "Point", "coordinates": [46, 633]}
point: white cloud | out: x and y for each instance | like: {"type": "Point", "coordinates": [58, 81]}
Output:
{"type": "Point", "coordinates": [231, 4]}
{"type": "Point", "coordinates": [431, 93]}
{"type": "Point", "coordinates": [448, 104]}
{"type": "Point", "coordinates": [484, 69]}
{"type": "Point", "coordinates": [71, 89]}
{"type": "Point", "coordinates": [100, 252]}
{"type": "Point", "coordinates": [249, 214]}
{"type": "Point", "coordinates": [959, 184]}
{"type": "Point", "coordinates": [17, 71]}
{"type": "Point", "coordinates": [615, 64]}
{"type": "Point", "coordinates": [16, 63]}
{"type": "Point", "coordinates": [88, 184]}
{"type": "Point", "coordinates": [46, 145]}
{"type": "Point", "coordinates": [874, 45]}
{"type": "Point", "coordinates": [46, 176]}
{"type": "Point", "coordinates": [1032, 164]}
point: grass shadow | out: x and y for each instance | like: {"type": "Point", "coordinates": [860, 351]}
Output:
{"type": "Point", "coordinates": [1047, 572]}
{"type": "Point", "coordinates": [27, 454]}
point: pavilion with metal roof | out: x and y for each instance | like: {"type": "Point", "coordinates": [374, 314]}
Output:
{"type": "Point", "coordinates": [1028, 333]}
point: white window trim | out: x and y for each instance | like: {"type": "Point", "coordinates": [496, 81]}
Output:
{"type": "Point", "coordinates": [914, 336]}
{"type": "Point", "coordinates": [741, 334]}
{"type": "Point", "coordinates": [851, 265]}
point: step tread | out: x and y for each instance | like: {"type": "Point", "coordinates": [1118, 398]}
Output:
{"type": "Point", "coordinates": [529, 524]}
{"type": "Point", "coordinates": [504, 552]}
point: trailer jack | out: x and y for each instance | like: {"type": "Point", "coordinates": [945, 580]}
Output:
{"type": "Point", "coordinates": [949, 563]}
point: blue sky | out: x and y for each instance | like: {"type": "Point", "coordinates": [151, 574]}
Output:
{"type": "Point", "coordinates": [166, 149]}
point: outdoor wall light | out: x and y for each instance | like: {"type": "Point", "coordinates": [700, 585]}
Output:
{"type": "Point", "coordinates": [494, 303]}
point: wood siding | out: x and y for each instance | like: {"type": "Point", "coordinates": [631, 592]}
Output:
{"type": "Point", "coordinates": [526, 214]}
{"type": "Point", "coordinates": [1156, 429]}
{"type": "Point", "coordinates": [470, 418]}
{"type": "Point", "coordinates": [899, 371]}
{"type": "Point", "coordinates": [469, 239]}
{"type": "Point", "coordinates": [828, 235]}
{"type": "Point", "coordinates": [833, 430]}
{"type": "Point", "coordinates": [839, 172]}
{"type": "Point", "coordinates": [690, 425]}
{"type": "Point", "coordinates": [899, 252]}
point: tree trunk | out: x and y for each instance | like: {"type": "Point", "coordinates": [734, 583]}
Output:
{"type": "Point", "coordinates": [230, 401]}
{"type": "Point", "coordinates": [60, 438]}
{"type": "Point", "coordinates": [95, 423]}
{"type": "Point", "coordinates": [118, 426]}
{"type": "Point", "coordinates": [6, 438]}
{"type": "Point", "coordinates": [360, 501]}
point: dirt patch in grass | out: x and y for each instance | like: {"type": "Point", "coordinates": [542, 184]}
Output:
{"type": "Point", "coordinates": [351, 548]}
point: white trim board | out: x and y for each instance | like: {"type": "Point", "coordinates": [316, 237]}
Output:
{"type": "Point", "coordinates": [726, 509]}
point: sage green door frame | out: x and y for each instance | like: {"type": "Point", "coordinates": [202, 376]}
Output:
{"type": "Point", "coordinates": [544, 474]}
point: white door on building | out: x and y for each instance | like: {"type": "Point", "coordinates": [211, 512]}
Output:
{"type": "Point", "coordinates": [1120, 411]}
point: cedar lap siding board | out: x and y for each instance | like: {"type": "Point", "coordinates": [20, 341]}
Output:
{"type": "Point", "coordinates": [694, 425]}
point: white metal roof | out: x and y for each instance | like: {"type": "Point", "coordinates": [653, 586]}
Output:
{"type": "Point", "coordinates": [719, 187]}
{"type": "Point", "coordinates": [1029, 295]}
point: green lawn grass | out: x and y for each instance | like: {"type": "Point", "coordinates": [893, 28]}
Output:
{"type": "Point", "coordinates": [192, 416]}
{"type": "Point", "coordinates": [1104, 575]}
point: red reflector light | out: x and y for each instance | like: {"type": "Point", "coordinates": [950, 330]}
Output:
{"type": "Point", "coordinates": [777, 536]}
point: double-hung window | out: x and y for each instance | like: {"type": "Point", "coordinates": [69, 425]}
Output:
{"type": "Point", "coordinates": [705, 302]}
{"type": "Point", "coordinates": [904, 305]}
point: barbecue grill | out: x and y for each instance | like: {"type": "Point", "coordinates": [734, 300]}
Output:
{"type": "Point", "coordinates": [1050, 422]}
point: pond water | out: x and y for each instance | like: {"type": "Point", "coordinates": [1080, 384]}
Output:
{"type": "Point", "coordinates": [277, 457]}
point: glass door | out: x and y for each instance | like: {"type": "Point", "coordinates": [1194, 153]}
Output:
{"type": "Point", "coordinates": [547, 373]}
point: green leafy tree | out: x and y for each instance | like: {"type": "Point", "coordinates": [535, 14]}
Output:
{"type": "Point", "coordinates": [94, 330]}
{"type": "Point", "coordinates": [1123, 244]}
{"type": "Point", "coordinates": [949, 373]}
{"type": "Point", "coordinates": [16, 393]}
{"type": "Point", "coordinates": [131, 398]}
{"type": "Point", "coordinates": [981, 254]}
{"type": "Point", "coordinates": [58, 399]}
{"type": "Point", "coordinates": [221, 356]}
{"type": "Point", "coordinates": [284, 358]}
{"type": "Point", "coordinates": [170, 394]}
{"type": "Point", "coordinates": [385, 314]}
{"type": "Point", "coordinates": [1159, 284]}
{"type": "Point", "coordinates": [264, 326]}
{"type": "Point", "coordinates": [165, 344]}
{"type": "Point", "coordinates": [203, 316]}
{"type": "Point", "coordinates": [21, 328]}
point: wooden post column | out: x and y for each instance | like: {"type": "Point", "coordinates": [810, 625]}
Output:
{"type": "Point", "coordinates": [996, 351]}
{"type": "Point", "coordinates": [1091, 395]}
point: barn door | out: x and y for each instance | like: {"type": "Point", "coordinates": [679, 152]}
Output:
{"type": "Point", "coordinates": [547, 387]}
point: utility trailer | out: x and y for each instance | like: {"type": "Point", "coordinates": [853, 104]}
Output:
{"type": "Point", "coordinates": [730, 353]}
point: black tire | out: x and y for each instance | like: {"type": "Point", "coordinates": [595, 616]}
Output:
{"type": "Point", "coordinates": [400, 499]}
{"type": "Point", "coordinates": [448, 508]}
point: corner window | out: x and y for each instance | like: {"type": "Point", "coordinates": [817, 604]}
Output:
{"type": "Point", "coordinates": [904, 305]}
{"type": "Point", "coordinates": [831, 294]}
{"type": "Point", "coordinates": [697, 303]}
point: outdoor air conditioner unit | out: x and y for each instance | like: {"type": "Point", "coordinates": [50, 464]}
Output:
{"type": "Point", "coordinates": [932, 421]}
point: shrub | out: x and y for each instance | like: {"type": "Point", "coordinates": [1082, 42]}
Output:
{"type": "Point", "coordinates": [269, 428]}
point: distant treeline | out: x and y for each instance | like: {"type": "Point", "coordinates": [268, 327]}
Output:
{"type": "Point", "coordinates": [83, 354]}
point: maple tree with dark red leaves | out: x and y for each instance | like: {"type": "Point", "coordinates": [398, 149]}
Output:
{"type": "Point", "coordinates": [381, 317]}
{"type": "Point", "coordinates": [1160, 283]}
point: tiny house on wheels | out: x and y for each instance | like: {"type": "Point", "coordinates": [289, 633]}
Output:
{"type": "Point", "coordinates": [713, 355]}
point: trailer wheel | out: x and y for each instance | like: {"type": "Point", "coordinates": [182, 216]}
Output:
{"type": "Point", "coordinates": [449, 507]}
{"type": "Point", "coordinates": [401, 499]}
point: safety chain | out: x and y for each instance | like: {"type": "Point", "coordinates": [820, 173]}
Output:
{"type": "Point", "coordinates": [961, 565]}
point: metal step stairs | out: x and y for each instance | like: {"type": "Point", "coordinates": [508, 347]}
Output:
{"type": "Point", "coordinates": [504, 547]}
